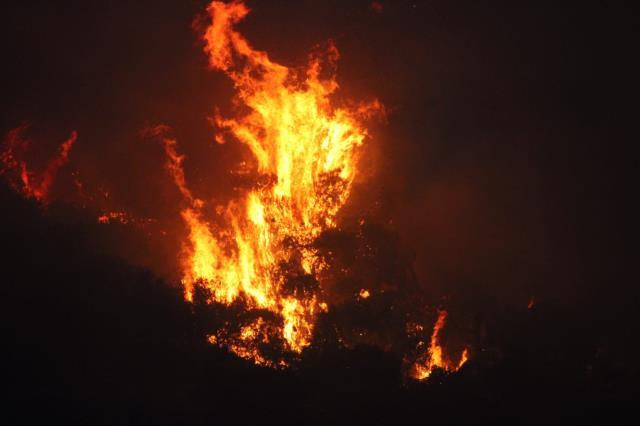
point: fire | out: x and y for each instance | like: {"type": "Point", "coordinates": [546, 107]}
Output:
{"type": "Point", "coordinates": [247, 342]}
{"type": "Point", "coordinates": [29, 183]}
{"type": "Point", "coordinates": [305, 154]}
{"type": "Point", "coordinates": [435, 357]}
{"type": "Point", "coordinates": [258, 254]}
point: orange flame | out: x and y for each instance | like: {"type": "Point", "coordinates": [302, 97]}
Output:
{"type": "Point", "coordinates": [259, 253]}
{"type": "Point", "coordinates": [435, 358]}
{"type": "Point", "coordinates": [28, 183]}
{"type": "Point", "coordinates": [305, 152]}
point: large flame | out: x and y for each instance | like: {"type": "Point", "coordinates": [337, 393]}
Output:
{"type": "Point", "coordinates": [305, 153]}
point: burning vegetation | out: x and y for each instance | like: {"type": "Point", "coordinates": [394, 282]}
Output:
{"type": "Point", "coordinates": [13, 166]}
{"type": "Point", "coordinates": [305, 153]}
{"type": "Point", "coordinates": [434, 357]}
{"type": "Point", "coordinates": [279, 266]}
{"type": "Point", "coordinates": [265, 255]}
{"type": "Point", "coordinates": [204, 224]}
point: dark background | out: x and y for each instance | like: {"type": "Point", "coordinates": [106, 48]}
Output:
{"type": "Point", "coordinates": [503, 167]}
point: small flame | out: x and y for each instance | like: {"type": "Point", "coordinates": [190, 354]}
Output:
{"type": "Point", "coordinates": [532, 303]}
{"type": "Point", "coordinates": [463, 358]}
{"type": "Point", "coordinates": [28, 183]}
{"type": "Point", "coordinates": [435, 357]}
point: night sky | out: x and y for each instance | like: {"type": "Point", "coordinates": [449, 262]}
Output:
{"type": "Point", "coordinates": [502, 169]}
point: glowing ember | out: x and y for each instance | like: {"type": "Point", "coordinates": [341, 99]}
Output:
{"type": "Point", "coordinates": [110, 217]}
{"type": "Point", "coordinates": [434, 357]}
{"type": "Point", "coordinates": [364, 294]}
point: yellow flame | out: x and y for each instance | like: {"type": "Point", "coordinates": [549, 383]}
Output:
{"type": "Point", "coordinates": [306, 151]}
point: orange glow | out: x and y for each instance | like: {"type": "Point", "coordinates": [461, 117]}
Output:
{"type": "Point", "coordinates": [305, 155]}
{"type": "Point", "coordinates": [376, 7]}
{"type": "Point", "coordinates": [111, 217]}
{"type": "Point", "coordinates": [364, 294]}
{"type": "Point", "coordinates": [434, 358]}
{"type": "Point", "coordinates": [28, 183]}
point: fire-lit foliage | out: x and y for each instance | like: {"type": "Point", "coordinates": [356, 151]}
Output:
{"type": "Point", "coordinates": [305, 153]}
